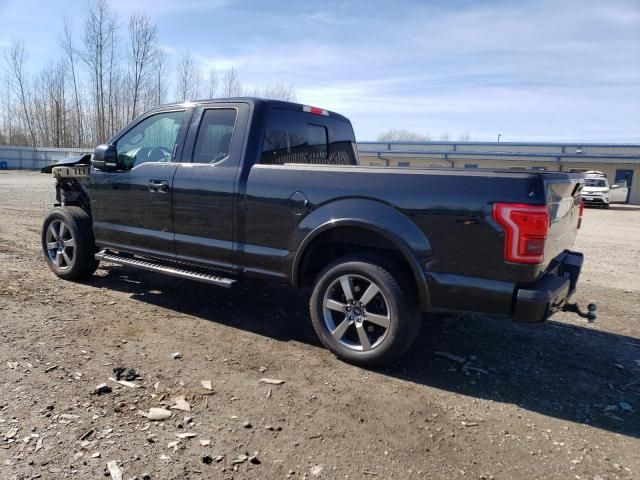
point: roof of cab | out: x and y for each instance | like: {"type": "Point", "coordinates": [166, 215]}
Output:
{"type": "Point", "coordinates": [253, 100]}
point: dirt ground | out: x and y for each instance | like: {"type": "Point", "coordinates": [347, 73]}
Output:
{"type": "Point", "coordinates": [558, 400]}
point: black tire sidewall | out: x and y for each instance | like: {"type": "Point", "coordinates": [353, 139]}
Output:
{"type": "Point", "coordinates": [394, 343]}
{"type": "Point", "coordinates": [78, 223]}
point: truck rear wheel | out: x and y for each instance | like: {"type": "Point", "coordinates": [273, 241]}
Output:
{"type": "Point", "coordinates": [68, 244]}
{"type": "Point", "coordinates": [364, 313]}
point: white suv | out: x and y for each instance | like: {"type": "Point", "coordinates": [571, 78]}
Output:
{"type": "Point", "coordinates": [597, 191]}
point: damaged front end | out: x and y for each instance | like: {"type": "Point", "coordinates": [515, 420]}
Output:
{"type": "Point", "coordinates": [72, 176]}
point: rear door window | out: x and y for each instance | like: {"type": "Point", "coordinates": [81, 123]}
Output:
{"type": "Point", "coordinates": [299, 137]}
{"type": "Point", "coordinates": [214, 136]}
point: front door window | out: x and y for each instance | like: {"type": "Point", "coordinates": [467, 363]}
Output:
{"type": "Point", "coordinates": [151, 140]}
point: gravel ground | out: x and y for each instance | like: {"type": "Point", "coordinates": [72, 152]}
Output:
{"type": "Point", "coordinates": [558, 400]}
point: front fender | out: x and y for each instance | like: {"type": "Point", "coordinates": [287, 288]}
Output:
{"type": "Point", "coordinates": [372, 215]}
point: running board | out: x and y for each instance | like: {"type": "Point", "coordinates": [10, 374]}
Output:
{"type": "Point", "coordinates": [165, 269]}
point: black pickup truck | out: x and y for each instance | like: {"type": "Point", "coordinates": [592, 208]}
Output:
{"type": "Point", "coordinates": [217, 190]}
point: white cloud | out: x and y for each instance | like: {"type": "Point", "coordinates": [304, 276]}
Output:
{"type": "Point", "coordinates": [328, 18]}
{"type": "Point", "coordinates": [159, 8]}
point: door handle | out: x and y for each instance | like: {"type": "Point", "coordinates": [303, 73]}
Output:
{"type": "Point", "coordinates": [160, 186]}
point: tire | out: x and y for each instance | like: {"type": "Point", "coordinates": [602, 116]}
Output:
{"type": "Point", "coordinates": [340, 324]}
{"type": "Point", "coordinates": [606, 206]}
{"type": "Point", "coordinates": [68, 244]}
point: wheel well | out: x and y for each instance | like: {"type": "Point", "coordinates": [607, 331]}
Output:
{"type": "Point", "coordinates": [69, 192]}
{"type": "Point", "coordinates": [342, 241]}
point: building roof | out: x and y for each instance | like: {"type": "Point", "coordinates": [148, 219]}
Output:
{"type": "Point", "coordinates": [534, 151]}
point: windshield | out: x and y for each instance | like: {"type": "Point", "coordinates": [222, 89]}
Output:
{"type": "Point", "coordinates": [595, 182]}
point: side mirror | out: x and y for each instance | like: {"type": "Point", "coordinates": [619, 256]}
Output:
{"type": "Point", "coordinates": [105, 157]}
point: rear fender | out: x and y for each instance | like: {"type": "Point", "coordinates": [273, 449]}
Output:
{"type": "Point", "coordinates": [372, 215]}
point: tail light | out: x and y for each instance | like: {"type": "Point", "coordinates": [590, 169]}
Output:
{"type": "Point", "coordinates": [580, 212]}
{"type": "Point", "coordinates": [525, 227]}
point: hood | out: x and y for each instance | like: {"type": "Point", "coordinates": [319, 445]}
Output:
{"type": "Point", "coordinates": [587, 189]}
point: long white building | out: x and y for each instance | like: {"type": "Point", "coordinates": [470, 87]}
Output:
{"type": "Point", "coordinates": [620, 162]}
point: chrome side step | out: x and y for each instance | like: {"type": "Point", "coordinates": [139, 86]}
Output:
{"type": "Point", "coordinates": [175, 271]}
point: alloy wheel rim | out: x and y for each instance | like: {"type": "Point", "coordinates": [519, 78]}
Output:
{"type": "Point", "coordinates": [356, 312]}
{"type": "Point", "coordinates": [60, 244]}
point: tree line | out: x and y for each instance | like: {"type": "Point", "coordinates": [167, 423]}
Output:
{"type": "Point", "coordinates": [404, 135]}
{"type": "Point", "coordinates": [108, 71]}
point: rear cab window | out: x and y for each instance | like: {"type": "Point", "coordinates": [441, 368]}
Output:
{"type": "Point", "coordinates": [306, 138]}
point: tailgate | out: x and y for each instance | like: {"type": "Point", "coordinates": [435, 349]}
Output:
{"type": "Point", "coordinates": [563, 200]}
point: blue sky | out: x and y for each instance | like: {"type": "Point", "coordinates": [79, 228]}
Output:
{"type": "Point", "coordinates": [529, 70]}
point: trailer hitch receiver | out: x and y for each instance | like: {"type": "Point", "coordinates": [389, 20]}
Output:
{"type": "Point", "coordinates": [590, 314]}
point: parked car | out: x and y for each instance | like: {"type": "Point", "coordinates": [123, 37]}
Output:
{"type": "Point", "coordinates": [219, 190]}
{"type": "Point", "coordinates": [597, 190]}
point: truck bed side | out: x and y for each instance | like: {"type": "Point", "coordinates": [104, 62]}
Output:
{"type": "Point", "coordinates": [452, 210]}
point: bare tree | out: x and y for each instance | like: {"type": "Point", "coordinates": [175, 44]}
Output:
{"type": "Point", "coordinates": [16, 58]}
{"type": "Point", "coordinates": [403, 135]}
{"type": "Point", "coordinates": [142, 49]}
{"type": "Point", "coordinates": [252, 92]}
{"type": "Point", "coordinates": [444, 137]}
{"type": "Point", "coordinates": [280, 91]}
{"type": "Point", "coordinates": [212, 83]}
{"type": "Point", "coordinates": [160, 63]}
{"type": "Point", "coordinates": [231, 86]}
{"type": "Point", "coordinates": [100, 28]}
{"type": "Point", "coordinates": [7, 110]}
{"type": "Point", "coordinates": [71, 55]}
{"type": "Point", "coordinates": [49, 109]}
{"type": "Point", "coordinates": [59, 98]}
{"type": "Point", "coordinates": [187, 81]}
{"type": "Point", "coordinates": [112, 73]}
{"type": "Point", "coordinates": [90, 91]}
{"type": "Point", "coordinates": [464, 137]}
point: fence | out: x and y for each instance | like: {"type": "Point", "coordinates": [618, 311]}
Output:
{"type": "Point", "coordinates": [27, 158]}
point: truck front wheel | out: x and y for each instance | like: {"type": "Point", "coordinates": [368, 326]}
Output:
{"type": "Point", "coordinates": [68, 244]}
{"type": "Point", "coordinates": [364, 313]}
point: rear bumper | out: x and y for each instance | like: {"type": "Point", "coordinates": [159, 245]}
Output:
{"type": "Point", "coordinates": [523, 302]}
{"type": "Point", "coordinates": [537, 301]}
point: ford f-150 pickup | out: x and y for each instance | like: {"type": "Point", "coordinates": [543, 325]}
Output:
{"type": "Point", "coordinates": [218, 190]}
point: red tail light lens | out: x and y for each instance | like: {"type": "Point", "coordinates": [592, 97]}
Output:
{"type": "Point", "coordinates": [525, 227]}
{"type": "Point", "coordinates": [580, 212]}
